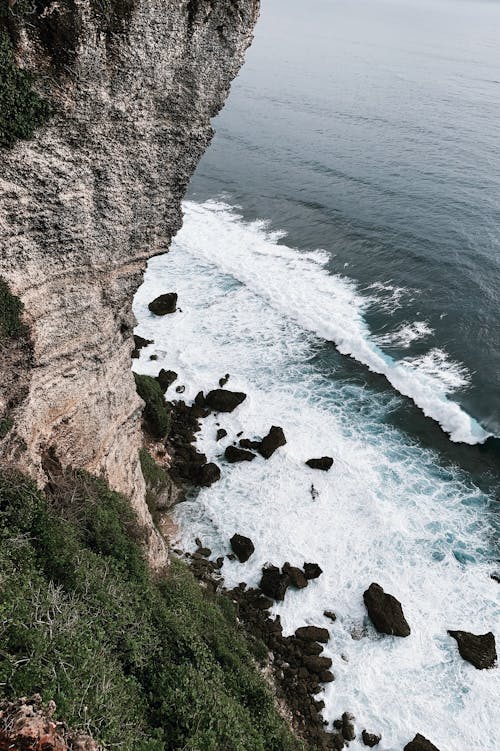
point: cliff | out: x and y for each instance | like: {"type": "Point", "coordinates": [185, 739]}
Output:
{"type": "Point", "coordinates": [133, 85]}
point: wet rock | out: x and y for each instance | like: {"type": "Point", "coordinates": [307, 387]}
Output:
{"type": "Point", "coordinates": [347, 730]}
{"type": "Point", "coordinates": [221, 433]}
{"type": "Point", "coordinates": [330, 614]}
{"type": "Point", "coordinates": [370, 739]}
{"type": "Point", "coordinates": [317, 663]}
{"type": "Point", "coordinates": [312, 570]}
{"type": "Point", "coordinates": [324, 463]}
{"type": "Point", "coordinates": [153, 357]}
{"type": "Point", "coordinates": [166, 378]}
{"type": "Point", "coordinates": [180, 389]}
{"type": "Point", "coordinates": [234, 454]}
{"type": "Point", "coordinates": [478, 649]}
{"type": "Point", "coordinates": [495, 576]}
{"type": "Point", "coordinates": [246, 443]}
{"type": "Point", "coordinates": [139, 343]}
{"type": "Point", "coordinates": [223, 380]}
{"type": "Point", "coordinates": [337, 742]}
{"type": "Point", "coordinates": [326, 676]}
{"type": "Point", "coordinates": [313, 633]}
{"type": "Point", "coordinates": [242, 546]}
{"type": "Point", "coordinates": [222, 400]}
{"type": "Point", "coordinates": [385, 611]}
{"type": "Point", "coordinates": [272, 441]}
{"type": "Point", "coordinates": [274, 583]}
{"type": "Point", "coordinates": [297, 577]}
{"type": "Point", "coordinates": [206, 475]}
{"type": "Point", "coordinates": [199, 399]}
{"type": "Point", "coordinates": [310, 647]}
{"type": "Point", "coordinates": [164, 304]}
{"type": "Point", "coordinates": [419, 743]}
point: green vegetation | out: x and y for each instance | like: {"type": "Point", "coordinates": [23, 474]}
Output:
{"type": "Point", "coordinates": [21, 108]}
{"type": "Point", "coordinates": [11, 309]}
{"type": "Point", "coordinates": [156, 412]}
{"type": "Point", "coordinates": [156, 480]}
{"type": "Point", "coordinates": [6, 424]}
{"type": "Point", "coordinates": [142, 663]}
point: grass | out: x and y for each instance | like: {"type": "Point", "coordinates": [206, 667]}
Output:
{"type": "Point", "coordinates": [11, 309]}
{"type": "Point", "coordinates": [156, 413]}
{"type": "Point", "coordinates": [143, 664]}
{"type": "Point", "coordinates": [22, 110]}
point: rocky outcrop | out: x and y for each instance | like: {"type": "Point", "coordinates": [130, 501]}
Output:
{"type": "Point", "coordinates": [385, 612]}
{"type": "Point", "coordinates": [242, 547]}
{"type": "Point", "coordinates": [419, 743]}
{"type": "Point", "coordinates": [94, 195]}
{"type": "Point", "coordinates": [478, 649]}
{"type": "Point", "coordinates": [222, 400]}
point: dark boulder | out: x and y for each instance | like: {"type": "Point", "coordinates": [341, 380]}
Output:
{"type": "Point", "coordinates": [222, 400]}
{"type": "Point", "coordinates": [164, 304]}
{"type": "Point", "coordinates": [324, 463]}
{"type": "Point", "coordinates": [313, 633]}
{"type": "Point", "coordinates": [207, 474]}
{"type": "Point", "coordinates": [223, 380]}
{"type": "Point", "coordinates": [419, 743]}
{"type": "Point", "coordinates": [274, 583]}
{"type": "Point", "coordinates": [180, 389]}
{"type": "Point", "coordinates": [385, 611]}
{"type": "Point", "coordinates": [166, 378]}
{"type": "Point", "coordinates": [272, 441]}
{"type": "Point", "coordinates": [297, 577]}
{"type": "Point", "coordinates": [478, 649]}
{"type": "Point", "coordinates": [221, 433]}
{"type": "Point", "coordinates": [347, 730]}
{"type": "Point", "coordinates": [242, 546]}
{"type": "Point", "coordinates": [234, 454]}
{"type": "Point", "coordinates": [199, 399]}
{"type": "Point", "coordinates": [310, 647]}
{"type": "Point", "coordinates": [246, 443]}
{"type": "Point", "coordinates": [326, 676]}
{"type": "Point", "coordinates": [337, 742]}
{"type": "Point", "coordinates": [330, 614]}
{"type": "Point", "coordinates": [140, 342]}
{"type": "Point", "coordinates": [312, 570]}
{"type": "Point", "coordinates": [316, 663]}
{"type": "Point", "coordinates": [370, 739]}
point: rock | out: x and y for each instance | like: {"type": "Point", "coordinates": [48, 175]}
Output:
{"type": "Point", "coordinates": [370, 739]}
{"type": "Point", "coordinates": [419, 743]}
{"type": "Point", "coordinates": [272, 441]}
{"type": "Point", "coordinates": [297, 576]}
{"type": "Point", "coordinates": [207, 474]}
{"type": "Point", "coordinates": [316, 663]}
{"type": "Point", "coordinates": [324, 463]}
{"type": "Point", "coordinates": [199, 399]}
{"type": "Point", "coordinates": [205, 552]}
{"type": "Point", "coordinates": [310, 647]}
{"type": "Point", "coordinates": [221, 433]}
{"type": "Point", "coordinates": [234, 454]}
{"type": "Point", "coordinates": [224, 380]}
{"type": "Point", "coordinates": [313, 633]}
{"type": "Point", "coordinates": [180, 389]}
{"type": "Point", "coordinates": [385, 611]}
{"type": "Point", "coordinates": [348, 732]}
{"type": "Point", "coordinates": [479, 650]}
{"type": "Point", "coordinates": [246, 443]}
{"type": "Point", "coordinates": [166, 378]}
{"type": "Point", "coordinates": [337, 742]}
{"type": "Point", "coordinates": [153, 357]}
{"type": "Point", "coordinates": [330, 614]}
{"type": "Point", "coordinates": [164, 304]}
{"type": "Point", "coordinates": [274, 583]}
{"type": "Point", "coordinates": [312, 570]}
{"type": "Point", "coordinates": [495, 576]}
{"type": "Point", "coordinates": [140, 342]}
{"type": "Point", "coordinates": [242, 546]}
{"type": "Point", "coordinates": [222, 400]}
{"type": "Point", "coordinates": [326, 676]}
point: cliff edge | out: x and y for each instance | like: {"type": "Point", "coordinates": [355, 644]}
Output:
{"type": "Point", "coordinates": [96, 192]}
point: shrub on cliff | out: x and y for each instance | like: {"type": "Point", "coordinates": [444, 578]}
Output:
{"type": "Point", "coordinates": [156, 412]}
{"type": "Point", "coordinates": [11, 309]}
{"type": "Point", "coordinates": [142, 663]}
{"type": "Point", "coordinates": [21, 108]}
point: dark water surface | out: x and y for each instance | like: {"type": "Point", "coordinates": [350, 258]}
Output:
{"type": "Point", "coordinates": [370, 129]}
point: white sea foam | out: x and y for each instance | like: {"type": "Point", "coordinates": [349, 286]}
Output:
{"type": "Point", "coordinates": [386, 512]}
{"type": "Point", "coordinates": [405, 335]}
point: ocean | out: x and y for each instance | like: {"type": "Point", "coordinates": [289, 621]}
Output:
{"type": "Point", "coordinates": [340, 258]}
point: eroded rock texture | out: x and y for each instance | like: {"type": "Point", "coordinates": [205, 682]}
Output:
{"type": "Point", "coordinates": [91, 198]}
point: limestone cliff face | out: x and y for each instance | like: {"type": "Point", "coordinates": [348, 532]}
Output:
{"type": "Point", "coordinates": [94, 195]}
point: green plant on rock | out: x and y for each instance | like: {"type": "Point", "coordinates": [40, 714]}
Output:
{"type": "Point", "coordinates": [156, 413]}
{"type": "Point", "coordinates": [11, 309]}
{"type": "Point", "coordinates": [22, 110]}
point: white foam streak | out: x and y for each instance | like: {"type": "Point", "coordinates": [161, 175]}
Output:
{"type": "Point", "coordinates": [295, 285]}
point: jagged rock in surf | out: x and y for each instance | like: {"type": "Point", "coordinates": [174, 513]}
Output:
{"type": "Point", "coordinates": [313, 633]}
{"type": "Point", "coordinates": [246, 443]}
{"type": "Point", "coordinates": [347, 729]}
{"type": "Point", "coordinates": [324, 463]}
{"type": "Point", "coordinates": [166, 378]}
{"type": "Point", "coordinates": [233, 454]}
{"type": "Point", "coordinates": [419, 743]}
{"type": "Point", "coordinates": [370, 739]}
{"type": "Point", "coordinates": [140, 343]}
{"type": "Point", "coordinates": [274, 583]}
{"type": "Point", "coordinates": [207, 474]}
{"type": "Point", "coordinates": [297, 577]}
{"type": "Point", "coordinates": [164, 304]}
{"type": "Point", "coordinates": [221, 433]}
{"type": "Point", "coordinates": [385, 611]}
{"type": "Point", "coordinates": [223, 380]}
{"type": "Point", "coordinates": [221, 400]}
{"type": "Point", "coordinates": [200, 400]}
{"type": "Point", "coordinates": [272, 441]}
{"type": "Point", "coordinates": [330, 614]}
{"type": "Point", "coordinates": [242, 546]}
{"type": "Point", "coordinates": [478, 649]}
{"type": "Point", "coordinates": [312, 570]}
{"type": "Point", "coordinates": [316, 663]}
